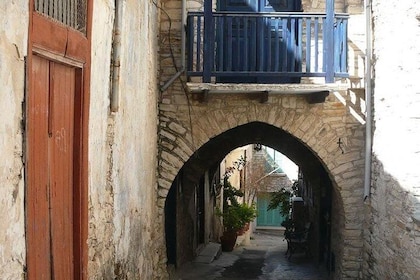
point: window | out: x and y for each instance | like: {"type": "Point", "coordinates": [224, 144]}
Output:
{"type": "Point", "coordinates": [69, 12]}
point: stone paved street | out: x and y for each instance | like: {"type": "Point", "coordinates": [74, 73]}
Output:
{"type": "Point", "coordinates": [263, 259]}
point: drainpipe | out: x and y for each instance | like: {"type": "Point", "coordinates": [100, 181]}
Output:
{"type": "Point", "coordinates": [182, 69]}
{"type": "Point", "coordinates": [116, 57]}
{"type": "Point", "coordinates": [368, 99]}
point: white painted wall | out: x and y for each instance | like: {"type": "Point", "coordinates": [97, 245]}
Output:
{"type": "Point", "coordinates": [13, 49]}
{"type": "Point", "coordinates": [395, 224]}
{"type": "Point", "coordinates": [123, 146]}
{"type": "Point", "coordinates": [101, 227]}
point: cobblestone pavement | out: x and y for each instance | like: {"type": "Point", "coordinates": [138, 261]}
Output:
{"type": "Point", "coordinates": [263, 259]}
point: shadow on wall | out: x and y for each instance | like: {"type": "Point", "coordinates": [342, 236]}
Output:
{"type": "Point", "coordinates": [394, 228]}
{"type": "Point", "coordinates": [357, 59]}
{"type": "Point", "coordinates": [354, 100]}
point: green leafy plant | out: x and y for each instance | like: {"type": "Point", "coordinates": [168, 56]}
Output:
{"type": "Point", "coordinates": [280, 199]}
{"type": "Point", "coordinates": [235, 217]}
{"type": "Point", "coordinates": [230, 194]}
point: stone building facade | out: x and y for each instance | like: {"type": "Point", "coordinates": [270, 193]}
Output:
{"type": "Point", "coordinates": [122, 145]}
{"type": "Point", "coordinates": [188, 127]}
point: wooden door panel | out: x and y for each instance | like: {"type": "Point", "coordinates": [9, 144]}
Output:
{"type": "Point", "coordinates": [62, 82]}
{"type": "Point", "coordinates": [38, 218]}
{"type": "Point", "coordinates": [57, 156]}
{"type": "Point", "coordinates": [50, 170]}
{"type": "Point", "coordinates": [267, 217]}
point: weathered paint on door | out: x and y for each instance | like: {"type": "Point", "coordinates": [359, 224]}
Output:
{"type": "Point", "coordinates": [57, 123]}
{"type": "Point", "coordinates": [37, 212]}
{"type": "Point", "coordinates": [50, 210]}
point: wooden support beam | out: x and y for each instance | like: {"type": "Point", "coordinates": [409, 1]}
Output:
{"type": "Point", "coordinates": [264, 96]}
{"type": "Point", "coordinates": [202, 96]}
{"type": "Point", "coordinates": [317, 97]}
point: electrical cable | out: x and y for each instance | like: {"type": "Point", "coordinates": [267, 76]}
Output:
{"type": "Point", "coordinates": [183, 85]}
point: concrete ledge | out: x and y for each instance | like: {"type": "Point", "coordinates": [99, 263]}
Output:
{"type": "Point", "coordinates": [270, 88]}
{"type": "Point", "coordinates": [210, 252]}
{"type": "Point", "coordinates": [315, 93]}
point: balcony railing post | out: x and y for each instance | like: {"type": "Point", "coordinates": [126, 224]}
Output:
{"type": "Point", "coordinates": [208, 46]}
{"type": "Point", "coordinates": [329, 43]}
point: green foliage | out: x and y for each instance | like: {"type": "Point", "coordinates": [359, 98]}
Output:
{"type": "Point", "coordinates": [236, 216]}
{"type": "Point", "coordinates": [230, 194]}
{"type": "Point", "coordinates": [280, 199]}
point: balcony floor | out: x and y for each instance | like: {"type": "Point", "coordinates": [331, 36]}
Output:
{"type": "Point", "coordinates": [315, 92]}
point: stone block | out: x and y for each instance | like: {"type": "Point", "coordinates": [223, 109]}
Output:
{"type": "Point", "coordinates": [177, 128]}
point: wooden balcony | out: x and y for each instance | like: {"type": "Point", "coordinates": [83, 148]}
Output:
{"type": "Point", "coordinates": [266, 48]}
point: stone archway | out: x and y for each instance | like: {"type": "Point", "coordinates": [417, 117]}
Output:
{"type": "Point", "coordinates": [318, 128]}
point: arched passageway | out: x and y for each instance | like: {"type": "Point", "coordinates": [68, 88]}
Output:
{"type": "Point", "coordinates": [189, 211]}
{"type": "Point", "coordinates": [194, 138]}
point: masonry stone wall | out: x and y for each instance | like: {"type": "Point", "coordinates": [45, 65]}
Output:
{"type": "Point", "coordinates": [13, 49]}
{"type": "Point", "coordinates": [185, 125]}
{"type": "Point", "coordinates": [317, 126]}
{"type": "Point", "coordinates": [392, 247]}
{"type": "Point", "coordinates": [260, 179]}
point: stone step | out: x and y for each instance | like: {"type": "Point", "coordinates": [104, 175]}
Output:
{"type": "Point", "coordinates": [211, 252]}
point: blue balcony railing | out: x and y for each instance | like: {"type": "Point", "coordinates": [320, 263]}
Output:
{"type": "Point", "coordinates": [266, 47]}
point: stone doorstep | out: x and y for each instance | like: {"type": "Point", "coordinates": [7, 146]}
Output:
{"type": "Point", "coordinates": [210, 252]}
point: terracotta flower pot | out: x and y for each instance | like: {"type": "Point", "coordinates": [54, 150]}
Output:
{"type": "Point", "coordinates": [228, 240]}
{"type": "Point", "coordinates": [244, 229]}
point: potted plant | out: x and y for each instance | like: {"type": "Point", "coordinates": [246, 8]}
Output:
{"type": "Point", "coordinates": [235, 215]}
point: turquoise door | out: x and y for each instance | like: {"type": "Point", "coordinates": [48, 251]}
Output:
{"type": "Point", "coordinates": [267, 218]}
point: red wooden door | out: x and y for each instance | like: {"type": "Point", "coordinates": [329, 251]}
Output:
{"type": "Point", "coordinates": [37, 193]}
{"type": "Point", "coordinates": [60, 147]}
{"type": "Point", "coordinates": [57, 123]}
{"type": "Point", "coordinates": [51, 218]}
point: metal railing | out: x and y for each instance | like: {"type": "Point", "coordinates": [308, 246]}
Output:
{"type": "Point", "coordinates": [266, 47]}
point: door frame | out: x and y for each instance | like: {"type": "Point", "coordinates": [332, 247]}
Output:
{"type": "Point", "coordinates": [72, 48]}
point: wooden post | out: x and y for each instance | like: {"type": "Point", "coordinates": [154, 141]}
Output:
{"type": "Point", "coordinates": [208, 49]}
{"type": "Point", "coordinates": [329, 43]}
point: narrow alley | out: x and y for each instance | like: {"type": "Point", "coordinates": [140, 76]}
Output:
{"type": "Point", "coordinates": [263, 259]}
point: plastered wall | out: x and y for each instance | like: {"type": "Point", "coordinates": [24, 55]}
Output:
{"type": "Point", "coordinates": [122, 146]}
{"type": "Point", "coordinates": [394, 223]}
{"type": "Point", "coordinates": [13, 49]}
